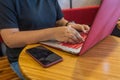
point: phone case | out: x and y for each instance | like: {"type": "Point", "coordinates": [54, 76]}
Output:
{"type": "Point", "coordinates": [44, 56]}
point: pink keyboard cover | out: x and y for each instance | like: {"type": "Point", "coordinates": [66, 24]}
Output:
{"type": "Point", "coordinates": [75, 46]}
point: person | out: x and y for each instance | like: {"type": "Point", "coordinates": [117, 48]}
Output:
{"type": "Point", "coordinates": [24, 22]}
{"type": "Point", "coordinates": [116, 30]}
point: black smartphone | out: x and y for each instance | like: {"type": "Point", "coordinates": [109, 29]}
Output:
{"type": "Point", "coordinates": [44, 56]}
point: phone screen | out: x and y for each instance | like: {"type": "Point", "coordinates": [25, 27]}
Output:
{"type": "Point", "coordinates": [44, 56]}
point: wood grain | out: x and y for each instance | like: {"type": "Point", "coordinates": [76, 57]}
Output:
{"type": "Point", "coordinates": [6, 73]}
{"type": "Point", "coordinates": [102, 62]}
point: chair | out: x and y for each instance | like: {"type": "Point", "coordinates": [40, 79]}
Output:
{"type": "Point", "coordinates": [1, 52]}
{"type": "Point", "coordinates": [83, 15]}
{"type": "Point", "coordinates": [6, 73]}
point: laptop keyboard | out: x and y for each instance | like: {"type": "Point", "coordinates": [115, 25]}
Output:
{"type": "Point", "coordinates": [76, 46]}
{"type": "Point", "coordinates": [68, 47]}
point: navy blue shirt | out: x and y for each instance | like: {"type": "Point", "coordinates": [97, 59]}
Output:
{"type": "Point", "coordinates": [27, 15]}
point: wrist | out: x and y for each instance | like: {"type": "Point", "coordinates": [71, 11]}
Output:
{"type": "Point", "coordinates": [69, 22]}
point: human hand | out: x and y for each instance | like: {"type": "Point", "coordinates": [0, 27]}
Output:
{"type": "Point", "coordinates": [80, 27]}
{"type": "Point", "coordinates": [67, 35]}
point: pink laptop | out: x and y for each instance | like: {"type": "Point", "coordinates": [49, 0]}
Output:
{"type": "Point", "coordinates": [102, 26]}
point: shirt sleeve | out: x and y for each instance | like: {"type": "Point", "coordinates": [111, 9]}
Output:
{"type": "Point", "coordinates": [59, 11]}
{"type": "Point", "coordinates": [8, 15]}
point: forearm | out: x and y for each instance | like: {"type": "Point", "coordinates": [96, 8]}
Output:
{"type": "Point", "coordinates": [22, 38]}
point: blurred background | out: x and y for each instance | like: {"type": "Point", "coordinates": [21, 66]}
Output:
{"type": "Point", "coordinates": [65, 4]}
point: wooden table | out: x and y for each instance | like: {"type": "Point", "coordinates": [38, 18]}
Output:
{"type": "Point", "coordinates": [102, 62]}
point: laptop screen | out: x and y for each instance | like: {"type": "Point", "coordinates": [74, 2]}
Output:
{"type": "Point", "coordinates": [103, 24]}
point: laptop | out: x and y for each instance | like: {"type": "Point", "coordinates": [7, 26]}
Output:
{"type": "Point", "coordinates": [103, 24]}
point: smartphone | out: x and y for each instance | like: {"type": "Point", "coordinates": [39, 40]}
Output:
{"type": "Point", "coordinates": [44, 56]}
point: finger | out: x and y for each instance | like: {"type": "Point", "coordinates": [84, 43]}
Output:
{"type": "Point", "coordinates": [86, 28]}
{"type": "Point", "coordinates": [83, 29]}
{"type": "Point", "coordinates": [74, 38]}
{"type": "Point", "coordinates": [75, 35]}
{"type": "Point", "coordinates": [79, 37]}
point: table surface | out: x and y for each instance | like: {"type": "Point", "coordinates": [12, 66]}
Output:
{"type": "Point", "coordinates": [102, 62]}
